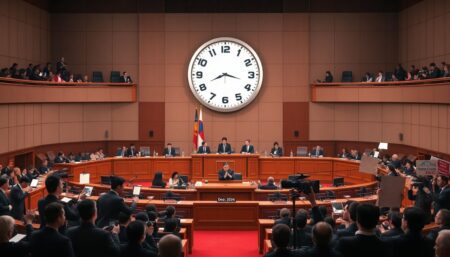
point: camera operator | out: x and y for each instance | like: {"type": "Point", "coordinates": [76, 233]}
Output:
{"type": "Point", "coordinates": [420, 193]}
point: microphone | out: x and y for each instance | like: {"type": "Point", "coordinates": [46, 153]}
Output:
{"type": "Point", "coordinates": [131, 180]}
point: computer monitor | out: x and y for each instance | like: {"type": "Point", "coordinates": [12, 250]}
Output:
{"type": "Point", "coordinates": [105, 180]}
{"type": "Point", "coordinates": [339, 181]}
{"type": "Point", "coordinates": [184, 179]}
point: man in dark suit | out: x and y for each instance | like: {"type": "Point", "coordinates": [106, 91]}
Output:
{"type": "Point", "coordinates": [43, 169]}
{"type": "Point", "coordinates": [302, 236]}
{"type": "Point", "coordinates": [276, 151]}
{"type": "Point", "coordinates": [54, 187]}
{"type": "Point", "coordinates": [412, 243]}
{"type": "Point", "coordinates": [395, 225]}
{"type": "Point", "coordinates": [13, 249]}
{"type": "Point", "coordinates": [224, 147]}
{"type": "Point", "coordinates": [365, 242]}
{"type": "Point", "coordinates": [269, 186]}
{"type": "Point", "coordinates": [131, 151]}
{"type": "Point", "coordinates": [247, 148]}
{"type": "Point", "coordinates": [281, 236]}
{"type": "Point", "coordinates": [121, 151]}
{"type": "Point", "coordinates": [442, 219]}
{"type": "Point", "coordinates": [317, 152]}
{"type": "Point", "coordinates": [17, 197]}
{"type": "Point", "coordinates": [350, 216]}
{"type": "Point", "coordinates": [169, 246]}
{"type": "Point", "coordinates": [169, 151]}
{"type": "Point", "coordinates": [5, 204]}
{"type": "Point", "coordinates": [285, 217]}
{"type": "Point", "coordinates": [48, 242]}
{"type": "Point", "coordinates": [226, 173]}
{"type": "Point", "coordinates": [90, 241]}
{"type": "Point", "coordinates": [204, 148]}
{"type": "Point", "coordinates": [322, 234]}
{"type": "Point", "coordinates": [7, 170]}
{"type": "Point", "coordinates": [125, 78]}
{"type": "Point", "coordinates": [111, 204]}
{"type": "Point", "coordinates": [442, 194]}
{"type": "Point", "coordinates": [136, 233]}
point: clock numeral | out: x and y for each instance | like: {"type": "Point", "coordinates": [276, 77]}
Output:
{"type": "Point", "coordinates": [251, 75]}
{"type": "Point", "coordinates": [248, 87]}
{"type": "Point", "coordinates": [248, 62]}
{"type": "Point", "coordinates": [225, 49]}
{"type": "Point", "coordinates": [202, 62]}
{"type": "Point", "coordinates": [202, 87]}
{"type": "Point", "coordinates": [238, 97]}
{"type": "Point", "coordinates": [199, 74]}
{"type": "Point", "coordinates": [225, 99]}
{"type": "Point", "coordinates": [213, 95]}
{"type": "Point", "coordinates": [239, 52]}
{"type": "Point", "coordinates": [213, 52]}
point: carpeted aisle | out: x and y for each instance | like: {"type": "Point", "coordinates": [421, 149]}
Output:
{"type": "Point", "coordinates": [225, 243]}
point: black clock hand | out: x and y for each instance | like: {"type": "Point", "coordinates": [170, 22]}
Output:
{"type": "Point", "coordinates": [231, 76]}
{"type": "Point", "coordinates": [218, 77]}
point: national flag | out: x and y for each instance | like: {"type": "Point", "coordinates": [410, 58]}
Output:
{"type": "Point", "coordinates": [195, 130]}
{"type": "Point", "coordinates": [201, 133]}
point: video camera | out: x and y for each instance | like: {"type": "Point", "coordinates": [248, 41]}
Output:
{"type": "Point", "coordinates": [301, 183]}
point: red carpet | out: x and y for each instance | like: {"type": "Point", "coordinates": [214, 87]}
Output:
{"type": "Point", "coordinates": [225, 243]}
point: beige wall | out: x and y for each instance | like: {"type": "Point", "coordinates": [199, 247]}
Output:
{"type": "Point", "coordinates": [424, 33]}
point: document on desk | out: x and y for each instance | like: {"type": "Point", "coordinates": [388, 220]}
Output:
{"type": "Point", "coordinates": [391, 194]}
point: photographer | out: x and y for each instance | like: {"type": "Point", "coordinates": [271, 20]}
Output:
{"type": "Point", "coordinates": [422, 197]}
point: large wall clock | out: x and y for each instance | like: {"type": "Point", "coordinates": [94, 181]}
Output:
{"type": "Point", "coordinates": [225, 74]}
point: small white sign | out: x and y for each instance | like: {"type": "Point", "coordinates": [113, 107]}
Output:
{"type": "Point", "coordinates": [84, 178]}
{"type": "Point", "coordinates": [426, 167]}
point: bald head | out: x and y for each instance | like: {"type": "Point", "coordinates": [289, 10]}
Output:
{"type": "Point", "coordinates": [169, 246]}
{"type": "Point", "coordinates": [6, 228]}
{"type": "Point", "coordinates": [443, 244]}
{"type": "Point", "coordinates": [322, 233]}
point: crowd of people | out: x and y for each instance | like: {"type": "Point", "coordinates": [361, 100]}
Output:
{"type": "Point", "coordinates": [84, 228]}
{"type": "Point", "coordinates": [47, 73]}
{"type": "Point", "coordinates": [400, 74]}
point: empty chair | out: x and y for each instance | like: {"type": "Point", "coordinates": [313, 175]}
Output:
{"type": "Point", "coordinates": [115, 77]}
{"type": "Point", "coordinates": [237, 176]}
{"type": "Point", "coordinates": [97, 76]}
{"type": "Point", "coordinates": [302, 151]}
{"type": "Point", "coordinates": [347, 76]}
{"type": "Point", "coordinates": [388, 76]}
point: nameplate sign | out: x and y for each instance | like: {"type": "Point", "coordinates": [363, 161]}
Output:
{"type": "Point", "coordinates": [226, 199]}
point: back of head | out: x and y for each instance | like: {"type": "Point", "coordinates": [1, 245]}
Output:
{"type": "Point", "coordinates": [443, 244]}
{"type": "Point", "coordinates": [142, 216]}
{"type": "Point", "coordinates": [150, 207]}
{"type": "Point", "coordinates": [415, 219]}
{"type": "Point", "coordinates": [135, 232]}
{"type": "Point", "coordinates": [86, 209]}
{"type": "Point", "coordinates": [152, 216]}
{"type": "Point", "coordinates": [52, 212]}
{"type": "Point", "coordinates": [352, 210]}
{"type": "Point", "coordinates": [3, 181]}
{"type": "Point", "coordinates": [367, 216]}
{"type": "Point", "coordinates": [281, 235]}
{"type": "Point", "coordinates": [322, 233]}
{"type": "Point", "coordinates": [301, 218]}
{"type": "Point", "coordinates": [52, 183]}
{"type": "Point", "coordinates": [395, 218]}
{"type": "Point", "coordinates": [330, 221]}
{"type": "Point", "coordinates": [124, 218]}
{"type": "Point", "coordinates": [170, 225]}
{"type": "Point", "coordinates": [6, 228]}
{"type": "Point", "coordinates": [284, 213]}
{"type": "Point", "coordinates": [169, 246]}
{"type": "Point", "coordinates": [116, 182]}
{"type": "Point", "coordinates": [170, 211]}
{"type": "Point", "coordinates": [24, 179]}
{"type": "Point", "coordinates": [323, 210]}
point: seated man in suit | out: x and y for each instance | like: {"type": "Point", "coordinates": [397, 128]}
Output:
{"type": "Point", "coordinates": [443, 244]}
{"type": "Point", "coordinates": [270, 184]}
{"type": "Point", "coordinates": [121, 151]}
{"type": "Point", "coordinates": [226, 173]}
{"type": "Point", "coordinates": [285, 217]}
{"type": "Point", "coordinates": [247, 148]}
{"type": "Point", "coordinates": [48, 242]}
{"type": "Point", "coordinates": [19, 249]}
{"type": "Point", "coordinates": [281, 236]}
{"type": "Point", "coordinates": [224, 147]}
{"type": "Point", "coordinates": [43, 169]}
{"type": "Point", "coordinates": [90, 241]}
{"type": "Point", "coordinates": [17, 197]}
{"type": "Point", "coordinates": [5, 204]}
{"type": "Point", "coordinates": [169, 245]}
{"type": "Point", "coordinates": [442, 219]}
{"type": "Point", "coordinates": [316, 152]}
{"type": "Point", "coordinates": [169, 151]}
{"type": "Point", "coordinates": [136, 234]}
{"type": "Point", "coordinates": [131, 152]}
{"type": "Point", "coordinates": [322, 234]}
{"type": "Point", "coordinates": [111, 204]}
{"type": "Point", "coordinates": [204, 148]}
{"type": "Point", "coordinates": [276, 151]}
{"type": "Point", "coordinates": [125, 78]}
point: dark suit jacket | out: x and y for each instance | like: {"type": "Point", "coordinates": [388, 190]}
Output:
{"type": "Point", "coordinates": [70, 213]}
{"type": "Point", "coordinates": [443, 199]}
{"type": "Point", "coordinates": [222, 174]}
{"type": "Point", "coordinates": [435, 232]}
{"type": "Point", "coordinates": [134, 250]}
{"type": "Point", "coordinates": [171, 153]}
{"type": "Point", "coordinates": [251, 149]}
{"type": "Point", "coordinates": [109, 206]}
{"type": "Point", "coordinates": [268, 187]}
{"type": "Point", "coordinates": [19, 249]}
{"type": "Point", "coordinates": [277, 152]}
{"type": "Point", "coordinates": [221, 150]}
{"type": "Point", "coordinates": [131, 152]}
{"type": "Point", "coordinates": [4, 204]}
{"type": "Point", "coordinates": [17, 198]}
{"type": "Point", "coordinates": [200, 150]}
{"type": "Point", "coordinates": [362, 245]}
{"type": "Point", "coordinates": [314, 152]}
{"type": "Point", "coordinates": [125, 80]}
{"type": "Point", "coordinates": [302, 238]}
{"type": "Point", "coordinates": [350, 231]}
{"type": "Point", "coordinates": [123, 234]}
{"type": "Point", "coordinates": [90, 241]}
{"type": "Point", "coordinates": [392, 233]}
{"type": "Point", "coordinates": [285, 220]}
{"type": "Point", "coordinates": [48, 242]}
{"type": "Point", "coordinates": [412, 245]}
{"type": "Point", "coordinates": [317, 252]}
{"type": "Point", "coordinates": [281, 253]}
{"type": "Point", "coordinates": [43, 170]}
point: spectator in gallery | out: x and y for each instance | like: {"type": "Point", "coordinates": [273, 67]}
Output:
{"type": "Point", "coordinates": [125, 78]}
{"type": "Point", "coordinates": [281, 236]}
{"type": "Point", "coordinates": [344, 154]}
{"type": "Point", "coordinates": [367, 77]}
{"type": "Point", "coordinates": [399, 72]}
{"type": "Point", "coordinates": [269, 186]}
{"type": "Point", "coordinates": [86, 79]}
{"type": "Point", "coordinates": [5, 73]}
{"type": "Point", "coordinates": [71, 78]}
{"type": "Point", "coordinates": [434, 72]}
{"type": "Point", "coordinates": [423, 73]}
{"type": "Point", "coordinates": [285, 217]}
{"type": "Point", "coordinates": [392, 226]}
{"type": "Point", "coordinates": [409, 168]}
{"type": "Point", "coordinates": [322, 236]}
{"type": "Point", "coordinates": [412, 73]}
{"type": "Point", "coordinates": [276, 150]}
{"type": "Point", "coordinates": [328, 78]}
{"type": "Point", "coordinates": [170, 246]}
{"type": "Point", "coordinates": [380, 77]}
{"type": "Point", "coordinates": [13, 69]}
{"type": "Point", "coordinates": [29, 70]}
{"type": "Point", "coordinates": [47, 70]}
{"type": "Point", "coordinates": [61, 67]}
{"type": "Point", "coordinates": [57, 77]}
{"type": "Point", "coordinates": [445, 72]}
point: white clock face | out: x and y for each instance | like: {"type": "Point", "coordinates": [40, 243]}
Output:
{"type": "Point", "coordinates": [225, 74]}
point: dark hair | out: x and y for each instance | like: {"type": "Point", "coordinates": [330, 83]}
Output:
{"type": "Point", "coordinates": [322, 237]}
{"type": "Point", "coordinates": [116, 182]}
{"type": "Point", "coordinates": [281, 235]}
{"type": "Point", "coordinates": [135, 231]}
{"type": "Point", "coordinates": [158, 180]}
{"type": "Point", "coordinates": [301, 218]}
{"type": "Point", "coordinates": [330, 221]}
{"type": "Point", "coordinates": [123, 217]}
{"type": "Point", "coordinates": [24, 179]}
{"type": "Point", "coordinates": [3, 181]}
{"type": "Point", "coordinates": [445, 216]}
{"type": "Point", "coordinates": [169, 143]}
{"type": "Point", "coordinates": [142, 216]}
{"type": "Point", "coordinates": [152, 216]}
{"type": "Point", "coordinates": [416, 218]}
{"type": "Point", "coordinates": [444, 178]}
{"type": "Point", "coordinates": [432, 64]}
{"type": "Point", "coordinates": [52, 212]}
{"type": "Point", "coordinates": [323, 210]}
{"type": "Point", "coordinates": [174, 173]}
{"type": "Point", "coordinates": [204, 142]}
{"type": "Point", "coordinates": [275, 143]}
{"type": "Point", "coordinates": [52, 183]}
{"type": "Point", "coordinates": [224, 138]}
{"type": "Point", "coordinates": [170, 211]}
{"type": "Point", "coordinates": [86, 209]}
{"type": "Point", "coordinates": [150, 208]}
{"type": "Point", "coordinates": [367, 215]}
{"type": "Point", "coordinates": [170, 225]}
{"type": "Point", "coordinates": [395, 218]}
{"type": "Point", "coordinates": [352, 210]}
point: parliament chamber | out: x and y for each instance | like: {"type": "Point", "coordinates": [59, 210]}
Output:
{"type": "Point", "coordinates": [224, 128]}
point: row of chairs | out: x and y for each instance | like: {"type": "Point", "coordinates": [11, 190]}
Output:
{"type": "Point", "coordinates": [97, 77]}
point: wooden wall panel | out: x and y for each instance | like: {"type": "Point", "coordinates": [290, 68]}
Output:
{"type": "Point", "coordinates": [152, 121]}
